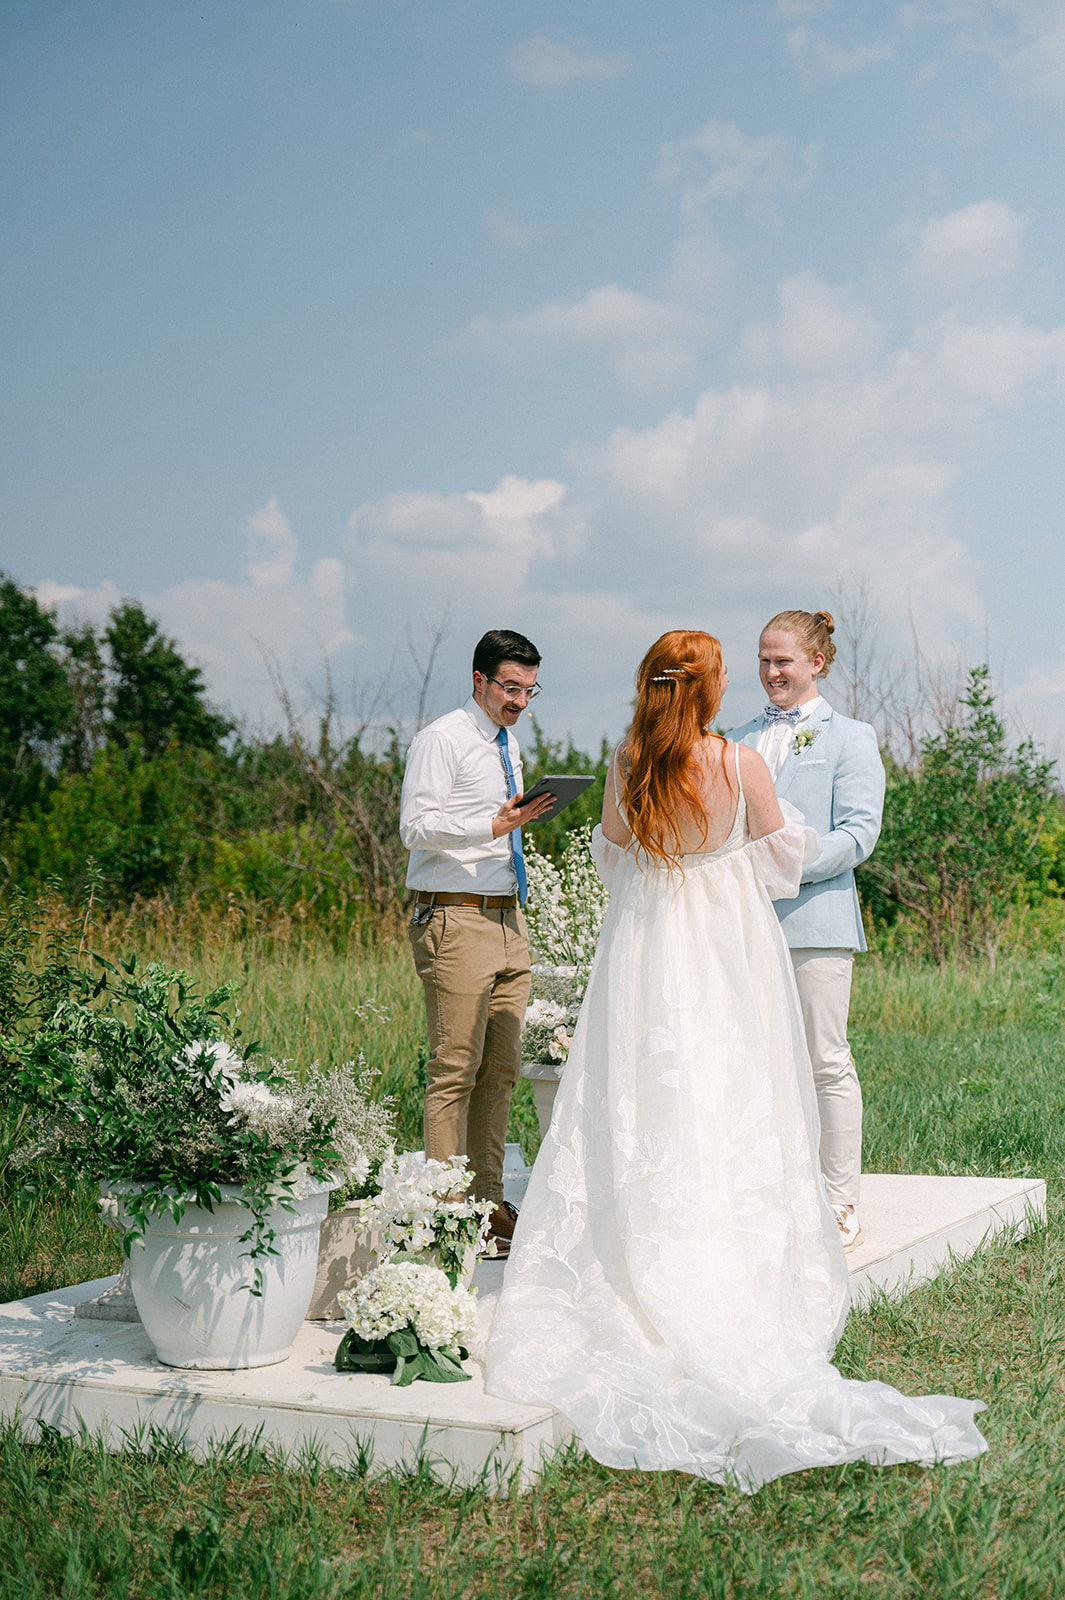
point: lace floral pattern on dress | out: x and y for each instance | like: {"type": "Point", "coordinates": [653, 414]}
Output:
{"type": "Point", "coordinates": [677, 1282]}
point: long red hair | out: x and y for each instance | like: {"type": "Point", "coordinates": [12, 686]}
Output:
{"type": "Point", "coordinates": [679, 686]}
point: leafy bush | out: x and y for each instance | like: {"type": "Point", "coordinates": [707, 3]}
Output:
{"type": "Point", "coordinates": [141, 820]}
{"type": "Point", "coordinates": [965, 839]}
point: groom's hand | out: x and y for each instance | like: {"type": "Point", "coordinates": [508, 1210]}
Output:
{"type": "Point", "coordinates": [511, 815]}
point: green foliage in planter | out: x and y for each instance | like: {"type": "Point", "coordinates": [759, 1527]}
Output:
{"type": "Point", "coordinates": [134, 1083]}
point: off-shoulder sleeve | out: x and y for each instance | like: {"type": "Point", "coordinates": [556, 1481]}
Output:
{"type": "Point", "coordinates": [607, 856]}
{"type": "Point", "coordinates": [779, 857]}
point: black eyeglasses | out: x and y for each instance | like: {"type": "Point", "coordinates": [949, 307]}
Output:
{"type": "Point", "coordinates": [514, 691]}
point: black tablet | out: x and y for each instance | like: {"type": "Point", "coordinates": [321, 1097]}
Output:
{"type": "Point", "coordinates": [565, 786]}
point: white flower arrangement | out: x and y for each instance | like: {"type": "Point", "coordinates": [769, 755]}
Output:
{"type": "Point", "coordinates": [566, 905]}
{"type": "Point", "coordinates": [127, 1083]}
{"type": "Point", "coordinates": [422, 1205]}
{"type": "Point", "coordinates": [565, 910]}
{"type": "Point", "coordinates": [400, 1294]}
{"type": "Point", "coordinates": [407, 1319]}
{"type": "Point", "coordinates": [552, 1012]}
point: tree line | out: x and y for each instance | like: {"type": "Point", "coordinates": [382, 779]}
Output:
{"type": "Point", "coordinates": [113, 764]}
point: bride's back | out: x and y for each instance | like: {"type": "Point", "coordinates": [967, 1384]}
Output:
{"type": "Point", "coordinates": [712, 769]}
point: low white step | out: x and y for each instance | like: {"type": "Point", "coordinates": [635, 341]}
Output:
{"type": "Point", "coordinates": [66, 1370]}
{"type": "Point", "coordinates": [913, 1225]}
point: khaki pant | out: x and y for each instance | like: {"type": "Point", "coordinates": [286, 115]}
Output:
{"type": "Point", "coordinates": [823, 978]}
{"type": "Point", "coordinates": [474, 967]}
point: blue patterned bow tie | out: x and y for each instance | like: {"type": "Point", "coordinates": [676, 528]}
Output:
{"type": "Point", "coordinates": [775, 714]}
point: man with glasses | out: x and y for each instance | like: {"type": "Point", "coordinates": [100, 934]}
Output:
{"type": "Point", "coordinates": [460, 820]}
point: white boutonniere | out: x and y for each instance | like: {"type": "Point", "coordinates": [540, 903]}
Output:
{"type": "Point", "coordinates": [805, 739]}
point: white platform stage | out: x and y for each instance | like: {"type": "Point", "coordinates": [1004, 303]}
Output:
{"type": "Point", "coordinates": [71, 1371]}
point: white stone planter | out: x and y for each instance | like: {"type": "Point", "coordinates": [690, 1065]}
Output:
{"type": "Point", "coordinates": [191, 1281]}
{"type": "Point", "coordinates": [344, 1256]}
{"type": "Point", "coordinates": [543, 1077]}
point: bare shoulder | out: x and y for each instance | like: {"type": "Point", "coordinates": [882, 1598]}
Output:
{"type": "Point", "coordinates": [752, 768]}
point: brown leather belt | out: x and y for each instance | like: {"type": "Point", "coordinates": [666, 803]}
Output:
{"type": "Point", "coordinates": [485, 902]}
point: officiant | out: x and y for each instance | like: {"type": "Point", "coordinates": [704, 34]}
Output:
{"type": "Point", "coordinates": [830, 767]}
{"type": "Point", "coordinates": [461, 821]}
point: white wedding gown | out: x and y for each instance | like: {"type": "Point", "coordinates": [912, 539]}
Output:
{"type": "Point", "coordinates": [677, 1281]}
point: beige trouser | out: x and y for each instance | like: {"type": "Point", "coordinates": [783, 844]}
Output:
{"type": "Point", "coordinates": [823, 978]}
{"type": "Point", "coordinates": [474, 966]}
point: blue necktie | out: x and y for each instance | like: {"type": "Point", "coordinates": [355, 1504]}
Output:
{"type": "Point", "coordinates": [517, 854]}
{"type": "Point", "coordinates": [774, 714]}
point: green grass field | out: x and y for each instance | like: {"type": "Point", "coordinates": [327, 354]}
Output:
{"type": "Point", "coordinates": [963, 1070]}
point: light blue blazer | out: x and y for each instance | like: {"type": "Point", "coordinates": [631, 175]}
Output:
{"type": "Point", "coordinates": [837, 782]}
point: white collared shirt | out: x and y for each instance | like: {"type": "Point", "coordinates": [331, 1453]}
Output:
{"type": "Point", "coordinates": [774, 741]}
{"type": "Point", "coordinates": [453, 787]}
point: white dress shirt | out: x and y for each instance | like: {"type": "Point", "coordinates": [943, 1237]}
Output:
{"type": "Point", "coordinates": [774, 741]}
{"type": "Point", "coordinates": [453, 787]}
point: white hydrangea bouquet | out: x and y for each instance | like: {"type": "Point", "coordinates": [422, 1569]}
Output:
{"type": "Point", "coordinates": [406, 1318]}
{"type": "Point", "coordinates": [422, 1208]}
{"type": "Point", "coordinates": [564, 913]}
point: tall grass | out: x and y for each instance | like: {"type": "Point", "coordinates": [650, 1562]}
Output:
{"type": "Point", "coordinates": [963, 1070]}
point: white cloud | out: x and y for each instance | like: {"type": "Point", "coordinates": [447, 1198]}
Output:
{"type": "Point", "coordinates": [651, 344]}
{"type": "Point", "coordinates": [90, 605]}
{"type": "Point", "coordinates": [823, 60]}
{"type": "Point", "coordinates": [271, 547]}
{"type": "Point", "coordinates": [1037, 707]}
{"type": "Point", "coordinates": [848, 449]}
{"type": "Point", "coordinates": [969, 249]}
{"type": "Point", "coordinates": [556, 60]}
{"type": "Point", "coordinates": [997, 361]}
{"type": "Point", "coordinates": [1037, 63]}
{"type": "Point", "coordinates": [721, 162]}
{"type": "Point", "coordinates": [763, 494]}
{"type": "Point", "coordinates": [1025, 38]}
{"type": "Point", "coordinates": [846, 458]}
{"type": "Point", "coordinates": [820, 328]}
{"type": "Point", "coordinates": [230, 630]}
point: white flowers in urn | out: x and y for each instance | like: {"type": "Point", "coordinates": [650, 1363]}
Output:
{"type": "Point", "coordinates": [566, 905]}
{"type": "Point", "coordinates": [565, 910]}
{"type": "Point", "coordinates": [551, 1014]}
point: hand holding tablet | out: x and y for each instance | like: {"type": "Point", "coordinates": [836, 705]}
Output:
{"type": "Point", "coordinates": [565, 786]}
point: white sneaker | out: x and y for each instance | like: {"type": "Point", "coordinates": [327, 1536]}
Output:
{"type": "Point", "coordinates": [849, 1227]}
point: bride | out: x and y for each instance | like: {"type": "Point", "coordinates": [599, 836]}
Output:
{"type": "Point", "coordinates": [677, 1283]}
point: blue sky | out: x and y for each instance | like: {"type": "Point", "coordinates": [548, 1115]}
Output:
{"type": "Point", "coordinates": [328, 320]}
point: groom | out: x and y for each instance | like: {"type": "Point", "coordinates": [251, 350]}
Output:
{"type": "Point", "coordinates": [830, 768]}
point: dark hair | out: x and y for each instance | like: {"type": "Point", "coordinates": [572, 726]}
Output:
{"type": "Point", "coordinates": [501, 644]}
